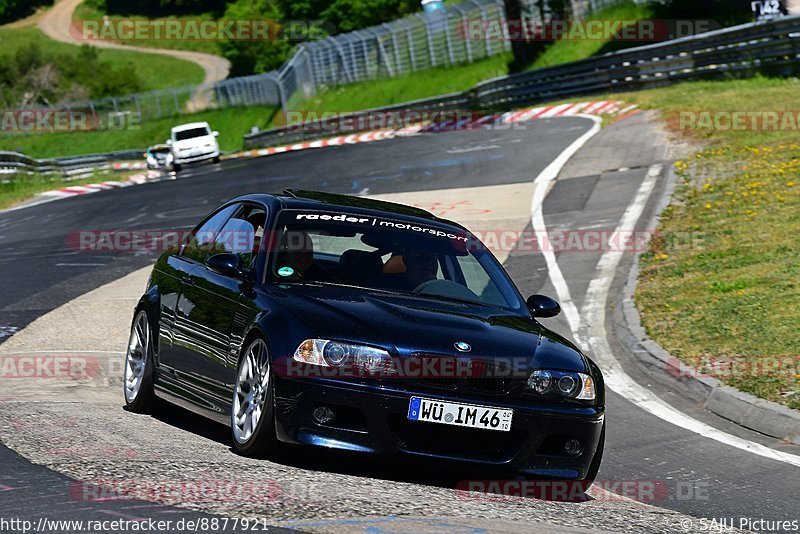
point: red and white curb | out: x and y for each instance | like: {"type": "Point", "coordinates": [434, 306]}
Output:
{"type": "Point", "coordinates": [137, 179]}
{"type": "Point", "coordinates": [601, 107]}
{"type": "Point", "coordinates": [129, 166]}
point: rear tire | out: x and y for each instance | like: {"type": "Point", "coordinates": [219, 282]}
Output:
{"type": "Point", "coordinates": [252, 409]}
{"type": "Point", "coordinates": [138, 374]}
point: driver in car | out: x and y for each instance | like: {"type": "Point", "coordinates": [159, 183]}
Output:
{"type": "Point", "coordinates": [296, 258]}
{"type": "Point", "coordinates": [421, 266]}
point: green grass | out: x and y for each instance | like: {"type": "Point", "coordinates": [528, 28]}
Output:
{"type": "Point", "coordinates": [567, 50]}
{"type": "Point", "coordinates": [389, 91]}
{"type": "Point", "coordinates": [15, 189]}
{"type": "Point", "coordinates": [154, 71]}
{"type": "Point", "coordinates": [720, 286]}
{"type": "Point", "coordinates": [85, 12]}
{"type": "Point", "coordinates": [232, 124]}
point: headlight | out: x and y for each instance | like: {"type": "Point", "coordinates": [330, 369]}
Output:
{"type": "Point", "coordinates": [567, 385]}
{"type": "Point", "coordinates": [327, 353]}
{"type": "Point", "coordinates": [170, 158]}
{"type": "Point", "coordinates": [151, 160]}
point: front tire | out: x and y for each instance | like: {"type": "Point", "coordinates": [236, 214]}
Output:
{"type": "Point", "coordinates": [215, 159]}
{"type": "Point", "coordinates": [252, 410]}
{"type": "Point", "coordinates": [138, 374]}
{"type": "Point", "coordinates": [176, 167]}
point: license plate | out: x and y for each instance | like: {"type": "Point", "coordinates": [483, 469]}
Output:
{"type": "Point", "coordinates": [451, 413]}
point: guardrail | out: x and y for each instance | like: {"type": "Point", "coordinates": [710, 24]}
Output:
{"type": "Point", "coordinates": [14, 163]}
{"type": "Point", "coordinates": [737, 52]}
{"type": "Point", "coordinates": [311, 130]}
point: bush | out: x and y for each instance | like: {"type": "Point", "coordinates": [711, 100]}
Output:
{"type": "Point", "coordinates": [158, 8]}
{"type": "Point", "coordinates": [33, 77]}
{"type": "Point", "coordinates": [724, 12]}
{"type": "Point", "coordinates": [248, 57]}
{"type": "Point", "coordinates": [16, 9]}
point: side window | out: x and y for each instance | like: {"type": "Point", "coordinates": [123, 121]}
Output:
{"type": "Point", "coordinates": [478, 281]}
{"type": "Point", "coordinates": [242, 234]}
{"type": "Point", "coordinates": [202, 238]}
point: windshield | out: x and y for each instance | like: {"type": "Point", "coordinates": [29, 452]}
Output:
{"type": "Point", "coordinates": [191, 134]}
{"type": "Point", "coordinates": [442, 262]}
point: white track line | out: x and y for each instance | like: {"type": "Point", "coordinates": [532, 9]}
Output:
{"type": "Point", "coordinates": [540, 186]}
{"type": "Point", "coordinates": [595, 308]}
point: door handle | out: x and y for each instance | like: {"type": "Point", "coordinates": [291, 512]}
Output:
{"type": "Point", "coordinates": [188, 280]}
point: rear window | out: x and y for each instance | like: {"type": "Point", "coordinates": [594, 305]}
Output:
{"type": "Point", "coordinates": [190, 134]}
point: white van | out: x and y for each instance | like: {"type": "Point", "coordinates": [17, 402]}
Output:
{"type": "Point", "coordinates": [192, 142]}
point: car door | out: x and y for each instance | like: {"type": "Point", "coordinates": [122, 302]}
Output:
{"type": "Point", "coordinates": [175, 354]}
{"type": "Point", "coordinates": [208, 324]}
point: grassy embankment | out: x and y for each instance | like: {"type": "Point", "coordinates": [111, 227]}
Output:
{"type": "Point", "coordinates": [14, 189]}
{"type": "Point", "coordinates": [720, 287]}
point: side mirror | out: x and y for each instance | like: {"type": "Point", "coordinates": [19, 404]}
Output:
{"type": "Point", "coordinates": [541, 306]}
{"type": "Point", "coordinates": [169, 142]}
{"type": "Point", "coordinates": [225, 264]}
{"type": "Point", "coordinates": [215, 133]}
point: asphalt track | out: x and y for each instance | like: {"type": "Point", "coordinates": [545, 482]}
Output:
{"type": "Point", "coordinates": [705, 478]}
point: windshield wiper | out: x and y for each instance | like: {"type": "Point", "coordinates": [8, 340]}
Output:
{"type": "Point", "coordinates": [455, 299]}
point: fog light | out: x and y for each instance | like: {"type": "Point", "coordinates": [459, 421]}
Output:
{"type": "Point", "coordinates": [573, 447]}
{"type": "Point", "coordinates": [323, 415]}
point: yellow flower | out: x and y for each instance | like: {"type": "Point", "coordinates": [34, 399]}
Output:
{"type": "Point", "coordinates": [708, 206]}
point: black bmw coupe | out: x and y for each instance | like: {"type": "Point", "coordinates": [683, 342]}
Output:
{"type": "Point", "coordinates": [348, 323]}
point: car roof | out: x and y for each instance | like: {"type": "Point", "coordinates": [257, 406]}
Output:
{"type": "Point", "coordinates": [189, 125]}
{"type": "Point", "coordinates": [317, 200]}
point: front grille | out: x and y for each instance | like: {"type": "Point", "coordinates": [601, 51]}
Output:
{"type": "Point", "coordinates": [448, 440]}
{"type": "Point", "coordinates": [436, 371]}
{"type": "Point", "coordinates": [483, 377]}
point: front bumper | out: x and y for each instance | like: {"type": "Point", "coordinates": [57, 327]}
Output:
{"type": "Point", "coordinates": [373, 419]}
{"type": "Point", "coordinates": [181, 159]}
{"type": "Point", "coordinates": [158, 166]}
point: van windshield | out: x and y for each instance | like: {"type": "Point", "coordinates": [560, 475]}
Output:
{"type": "Point", "coordinates": [190, 134]}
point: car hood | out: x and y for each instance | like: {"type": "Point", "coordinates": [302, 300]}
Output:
{"type": "Point", "coordinates": [406, 324]}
